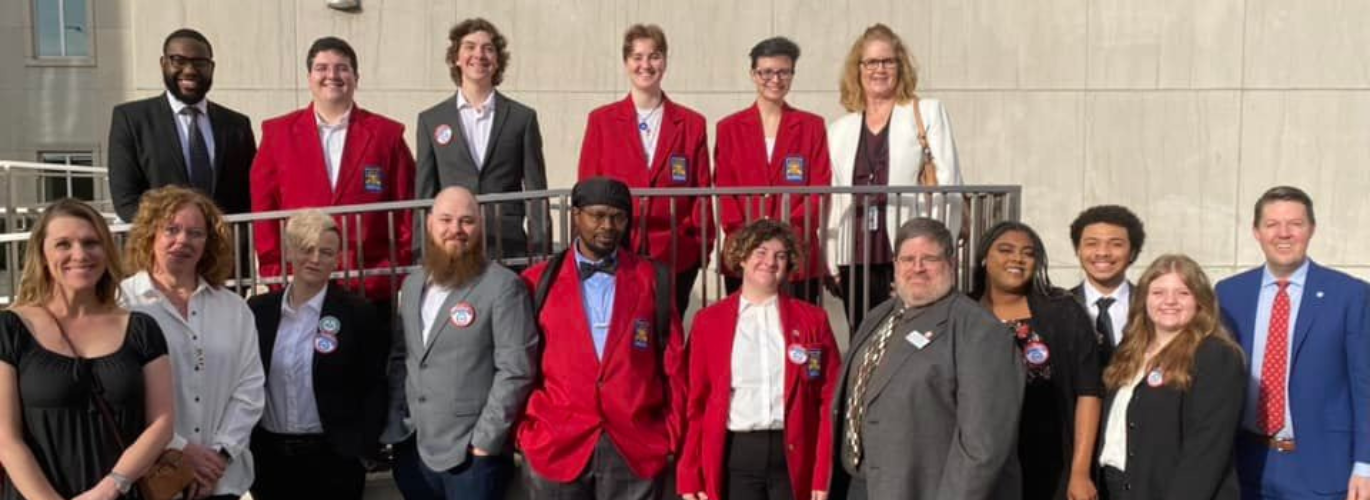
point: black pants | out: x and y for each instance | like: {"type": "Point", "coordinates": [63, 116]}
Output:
{"type": "Point", "coordinates": [1115, 484]}
{"type": "Point", "coordinates": [756, 467]}
{"type": "Point", "coordinates": [856, 290]}
{"type": "Point", "coordinates": [607, 477]}
{"type": "Point", "coordinates": [478, 478]}
{"type": "Point", "coordinates": [290, 467]}
{"type": "Point", "coordinates": [806, 290]}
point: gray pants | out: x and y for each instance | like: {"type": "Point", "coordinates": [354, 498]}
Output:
{"type": "Point", "coordinates": [606, 478]}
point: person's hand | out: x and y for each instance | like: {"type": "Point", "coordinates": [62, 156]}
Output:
{"type": "Point", "coordinates": [833, 284]}
{"type": "Point", "coordinates": [695, 496]}
{"type": "Point", "coordinates": [479, 452]}
{"type": "Point", "coordinates": [818, 495]}
{"type": "Point", "coordinates": [208, 465]}
{"type": "Point", "coordinates": [106, 489]}
{"type": "Point", "coordinates": [1081, 488]}
{"type": "Point", "coordinates": [1358, 488]}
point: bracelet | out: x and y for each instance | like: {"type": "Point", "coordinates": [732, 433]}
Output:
{"type": "Point", "coordinates": [121, 481]}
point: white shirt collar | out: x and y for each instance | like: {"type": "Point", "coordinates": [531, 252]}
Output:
{"type": "Point", "coordinates": [486, 106]}
{"type": "Point", "coordinates": [744, 304]}
{"type": "Point", "coordinates": [342, 122]}
{"type": "Point", "coordinates": [1120, 294]}
{"type": "Point", "coordinates": [177, 105]}
{"type": "Point", "coordinates": [142, 285]}
{"type": "Point", "coordinates": [314, 304]}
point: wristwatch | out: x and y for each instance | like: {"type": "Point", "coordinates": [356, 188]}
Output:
{"type": "Point", "coordinates": [121, 481]}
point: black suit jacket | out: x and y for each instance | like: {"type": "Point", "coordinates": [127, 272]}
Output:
{"type": "Point", "coordinates": [513, 163]}
{"type": "Point", "coordinates": [1106, 346]}
{"type": "Point", "coordinates": [350, 385]}
{"type": "Point", "coordinates": [145, 153]}
{"type": "Point", "coordinates": [1179, 443]}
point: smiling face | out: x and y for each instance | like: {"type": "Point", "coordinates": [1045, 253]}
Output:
{"type": "Point", "coordinates": [1105, 253]}
{"type": "Point", "coordinates": [1170, 303]}
{"type": "Point", "coordinates": [922, 271]}
{"type": "Point", "coordinates": [180, 242]}
{"type": "Point", "coordinates": [187, 69]}
{"type": "Point", "coordinates": [75, 257]}
{"type": "Point", "coordinates": [766, 266]}
{"type": "Point", "coordinates": [332, 79]}
{"type": "Point", "coordinates": [772, 77]}
{"type": "Point", "coordinates": [879, 69]}
{"type": "Point", "coordinates": [477, 58]}
{"type": "Point", "coordinates": [1284, 230]}
{"type": "Point", "coordinates": [645, 65]}
{"type": "Point", "coordinates": [454, 224]}
{"type": "Point", "coordinates": [599, 228]}
{"type": "Point", "coordinates": [1010, 263]}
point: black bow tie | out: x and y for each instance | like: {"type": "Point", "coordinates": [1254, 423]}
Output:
{"type": "Point", "coordinates": [588, 269]}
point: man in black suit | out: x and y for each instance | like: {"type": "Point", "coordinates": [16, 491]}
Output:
{"type": "Point", "coordinates": [486, 142]}
{"type": "Point", "coordinates": [180, 137]}
{"type": "Point", "coordinates": [1107, 239]}
{"type": "Point", "coordinates": [324, 351]}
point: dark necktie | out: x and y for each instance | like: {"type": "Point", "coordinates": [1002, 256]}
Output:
{"type": "Point", "coordinates": [588, 269]}
{"type": "Point", "coordinates": [201, 172]}
{"type": "Point", "coordinates": [1104, 323]}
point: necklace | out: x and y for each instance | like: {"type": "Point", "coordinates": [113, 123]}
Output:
{"type": "Point", "coordinates": [642, 119]}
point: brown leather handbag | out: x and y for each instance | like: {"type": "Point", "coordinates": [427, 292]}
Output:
{"type": "Point", "coordinates": [170, 475]}
{"type": "Point", "coordinates": [927, 168]}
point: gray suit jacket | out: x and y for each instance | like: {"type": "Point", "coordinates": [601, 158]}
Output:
{"type": "Point", "coordinates": [941, 422]}
{"type": "Point", "coordinates": [466, 385]}
{"type": "Point", "coordinates": [513, 163]}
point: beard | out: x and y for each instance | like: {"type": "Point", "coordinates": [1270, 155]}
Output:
{"type": "Point", "coordinates": [922, 296]}
{"type": "Point", "coordinates": [456, 268]}
{"type": "Point", "coordinates": [169, 79]}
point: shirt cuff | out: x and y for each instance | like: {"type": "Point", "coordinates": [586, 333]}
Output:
{"type": "Point", "coordinates": [1361, 469]}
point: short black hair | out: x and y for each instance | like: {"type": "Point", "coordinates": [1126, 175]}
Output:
{"type": "Point", "coordinates": [1284, 193]}
{"type": "Point", "coordinates": [189, 34]}
{"type": "Point", "coordinates": [331, 44]}
{"type": "Point", "coordinates": [1116, 215]}
{"type": "Point", "coordinates": [775, 47]}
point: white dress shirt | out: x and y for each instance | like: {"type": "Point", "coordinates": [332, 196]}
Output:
{"type": "Point", "coordinates": [652, 118]}
{"type": "Point", "coordinates": [183, 126]}
{"type": "Point", "coordinates": [433, 297]}
{"type": "Point", "coordinates": [475, 125]}
{"type": "Point", "coordinates": [758, 375]}
{"type": "Point", "coordinates": [334, 139]}
{"type": "Point", "coordinates": [217, 369]}
{"type": "Point", "coordinates": [1117, 312]}
{"type": "Point", "coordinates": [1114, 452]}
{"type": "Point", "coordinates": [290, 404]}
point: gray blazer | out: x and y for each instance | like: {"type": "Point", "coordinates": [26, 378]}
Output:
{"type": "Point", "coordinates": [941, 422]}
{"type": "Point", "coordinates": [513, 163]}
{"type": "Point", "coordinates": [467, 385]}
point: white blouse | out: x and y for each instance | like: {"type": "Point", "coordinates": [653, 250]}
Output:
{"type": "Point", "coordinates": [758, 369]}
{"type": "Point", "coordinates": [1114, 452]}
{"type": "Point", "coordinates": [217, 369]}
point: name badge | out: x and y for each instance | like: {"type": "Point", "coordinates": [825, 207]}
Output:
{"type": "Point", "coordinates": [798, 354]}
{"type": "Point", "coordinates": [872, 218]}
{"type": "Point", "coordinates": [1036, 353]}
{"type": "Point", "coordinates": [642, 335]}
{"type": "Point", "coordinates": [680, 169]}
{"type": "Point", "coordinates": [794, 169]}
{"type": "Point", "coordinates": [919, 339]}
{"type": "Point", "coordinates": [373, 179]}
{"type": "Point", "coordinates": [443, 134]}
{"type": "Point", "coordinates": [325, 343]}
{"type": "Point", "coordinates": [813, 369]}
{"type": "Point", "coordinates": [462, 315]}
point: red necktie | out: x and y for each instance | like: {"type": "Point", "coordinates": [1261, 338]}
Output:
{"type": "Point", "coordinates": [1273, 366]}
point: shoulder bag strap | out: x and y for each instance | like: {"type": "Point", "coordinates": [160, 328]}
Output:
{"type": "Point", "coordinates": [97, 390]}
{"type": "Point", "coordinates": [927, 171]}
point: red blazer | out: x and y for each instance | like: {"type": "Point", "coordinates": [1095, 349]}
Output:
{"type": "Point", "coordinates": [289, 173]}
{"type": "Point", "coordinates": [800, 158]}
{"type": "Point", "coordinates": [808, 397]}
{"type": "Point", "coordinates": [579, 395]}
{"type": "Point", "coordinates": [613, 148]}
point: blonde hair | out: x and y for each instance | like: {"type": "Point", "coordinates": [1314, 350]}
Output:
{"type": "Point", "coordinates": [36, 282]}
{"type": "Point", "coordinates": [303, 230]}
{"type": "Point", "coordinates": [1176, 360]}
{"type": "Point", "coordinates": [853, 96]}
{"type": "Point", "coordinates": [156, 209]}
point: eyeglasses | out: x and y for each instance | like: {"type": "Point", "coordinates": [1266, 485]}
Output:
{"type": "Point", "coordinates": [182, 62]}
{"type": "Point", "coordinates": [923, 261]}
{"type": "Point", "coordinates": [616, 217]}
{"type": "Point", "coordinates": [767, 74]}
{"type": "Point", "coordinates": [874, 64]}
{"type": "Point", "coordinates": [171, 231]}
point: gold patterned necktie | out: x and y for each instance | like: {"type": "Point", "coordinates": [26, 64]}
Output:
{"type": "Point", "coordinates": [856, 403]}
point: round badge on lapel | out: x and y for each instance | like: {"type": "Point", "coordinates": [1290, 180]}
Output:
{"type": "Point", "coordinates": [1155, 378]}
{"type": "Point", "coordinates": [462, 315]}
{"type": "Point", "coordinates": [798, 354]}
{"type": "Point", "coordinates": [442, 134]}
{"type": "Point", "coordinates": [325, 343]}
{"type": "Point", "coordinates": [1036, 352]}
{"type": "Point", "coordinates": [330, 325]}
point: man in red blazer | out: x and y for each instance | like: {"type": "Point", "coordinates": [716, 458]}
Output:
{"type": "Point", "coordinates": [335, 153]}
{"type": "Point", "coordinates": [649, 141]}
{"type": "Point", "coordinates": [607, 411]}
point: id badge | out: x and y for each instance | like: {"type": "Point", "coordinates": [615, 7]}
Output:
{"type": "Point", "coordinates": [680, 169]}
{"type": "Point", "coordinates": [794, 169]}
{"type": "Point", "coordinates": [373, 179]}
{"type": "Point", "coordinates": [872, 218]}
{"type": "Point", "coordinates": [813, 369]}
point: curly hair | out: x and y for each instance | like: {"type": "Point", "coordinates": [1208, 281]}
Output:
{"type": "Point", "coordinates": [853, 96]}
{"type": "Point", "coordinates": [468, 27]}
{"type": "Point", "coordinates": [1116, 215]}
{"type": "Point", "coordinates": [741, 245]}
{"type": "Point", "coordinates": [36, 282]}
{"type": "Point", "coordinates": [156, 209]}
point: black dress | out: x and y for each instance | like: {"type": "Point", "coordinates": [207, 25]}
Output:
{"type": "Point", "coordinates": [1061, 358]}
{"type": "Point", "coordinates": [62, 428]}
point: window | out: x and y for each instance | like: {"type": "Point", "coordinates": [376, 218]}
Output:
{"type": "Point", "coordinates": [61, 29]}
{"type": "Point", "coordinates": [58, 185]}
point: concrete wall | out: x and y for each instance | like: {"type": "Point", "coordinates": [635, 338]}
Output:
{"type": "Point", "coordinates": [1183, 110]}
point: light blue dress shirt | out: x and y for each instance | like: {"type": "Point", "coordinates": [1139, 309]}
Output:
{"type": "Point", "coordinates": [597, 293]}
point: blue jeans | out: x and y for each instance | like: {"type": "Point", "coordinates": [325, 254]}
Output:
{"type": "Point", "coordinates": [478, 478]}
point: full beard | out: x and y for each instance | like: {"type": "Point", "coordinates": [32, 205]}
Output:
{"type": "Point", "coordinates": [175, 89]}
{"type": "Point", "coordinates": [453, 269]}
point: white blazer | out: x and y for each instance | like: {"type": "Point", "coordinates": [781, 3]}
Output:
{"type": "Point", "coordinates": [844, 135]}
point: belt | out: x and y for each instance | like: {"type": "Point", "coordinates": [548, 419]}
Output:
{"type": "Point", "coordinates": [1282, 445]}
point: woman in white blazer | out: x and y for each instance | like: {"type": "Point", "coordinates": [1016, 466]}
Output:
{"type": "Point", "coordinates": [876, 144]}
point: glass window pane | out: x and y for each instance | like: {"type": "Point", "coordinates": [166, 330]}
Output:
{"type": "Point", "coordinates": [77, 28]}
{"type": "Point", "coordinates": [47, 34]}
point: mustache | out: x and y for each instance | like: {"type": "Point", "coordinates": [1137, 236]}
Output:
{"type": "Point", "coordinates": [455, 268]}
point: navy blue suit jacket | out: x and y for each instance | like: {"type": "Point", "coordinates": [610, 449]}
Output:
{"type": "Point", "coordinates": [1329, 373]}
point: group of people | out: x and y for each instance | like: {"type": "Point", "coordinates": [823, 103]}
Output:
{"type": "Point", "coordinates": [1166, 388]}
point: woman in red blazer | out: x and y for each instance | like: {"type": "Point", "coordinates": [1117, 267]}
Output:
{"type": "Point", "coordinates": [648, 141]}
{"type": "Point", "coordinates": [762, 371]}
{"type": "Point", "coordinates": [771, 144]}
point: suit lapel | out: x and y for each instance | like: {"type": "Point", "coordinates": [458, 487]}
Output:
{"type": "Point", "coordinates": [311, 167]}
{"type": "Point", "coordinates": [789, 329]}
{"type": "Point", "coordinates": [332, 307]}
{"type": "Point", "coordinates": [568, 300]}
{"type": "Point", "coordinates": [440, 322]}
{"type": "Point", "coordinates": [665, 144]}
{"type": "Point", "coordinates": [219, 127]}
{"type": "Point", "coordinates": [903, 163]}
{"type": "Point", "coordinates": [501, 116]}
{"type": "Point", "coordinates": [1310, 307]}
{"type": "Point", "coordinates": [623, 318]}
{"type": "Point", "coordinates": [267, 336]}
{"type": "Point", "coordinates": [358, 139]}
{"type": "Point", "coordinates": [626, 116]}
{"type": "Point", "coordinates": [898, 351]}
{"type": "Point", "coordinates": [164, 122]}
{"type": "Point", "coordinates": [784, 135]}
{"type": "Point", "coordinates": [464, 157]}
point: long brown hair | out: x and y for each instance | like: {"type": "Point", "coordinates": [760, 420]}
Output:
{"type": "Point", "coordinates": [156, 209]}
{"type": "Point", "coordinates": [1176, 360]}
{"type": "Point", "coordinates": [36, 283]}
{"type": "Point", "coordinates": [853, 96]}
